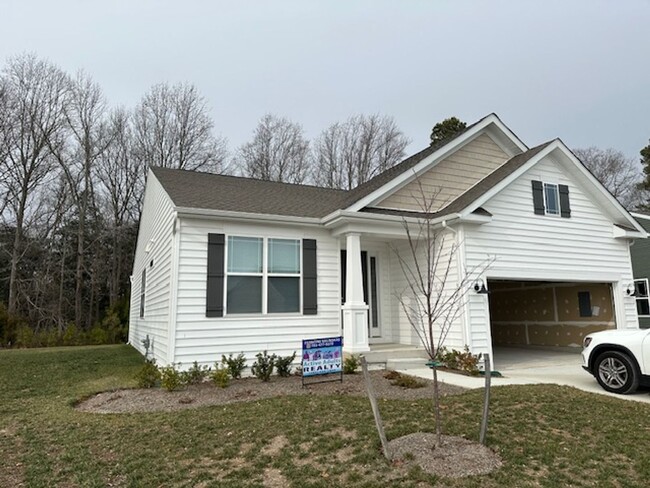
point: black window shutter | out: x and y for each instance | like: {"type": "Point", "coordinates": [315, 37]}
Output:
{"type": "Point", "coordinates": [538, 197]}
{"type": "Point", "coordinates": [565, 208]}
{"type": "Point", "coordinates": [309, 278]}
{"type": "Point", "coordinates": [214, 291]}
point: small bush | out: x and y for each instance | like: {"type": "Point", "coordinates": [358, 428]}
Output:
{"type": "Point", "coordinates": [391, 375]}
{"type": "Point", "coordinates": [460, 360]}
{"type": "Point", "coordinates": [235, 365]}
{"type": "Point", "coordinates": [283, 365]}
{"type": "Point", "coordinates": [351, 364]}
{"type": "Point", "coordinates": [97, 336]}
{"type": "Point", "coordinates": [407, 381]}
{"type": "Point", "coordinates": [170, 378]}
{"type": "Point", "coordinates": [149, 374]}
{"type": "Point", "coordinates": [220, 376]}
{"type": "Point", "coordinates": [24, 336]}
{"type": "Point", "coordinates": [72, 335]}
{"type": "Point", "coordinates": [196, 374]}
{"type": "Point", "coordinates": [263, 367]}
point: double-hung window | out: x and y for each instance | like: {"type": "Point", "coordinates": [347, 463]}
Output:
{"type": "Point", "coordinates": [263, 275]}
{"type": "Point", "coordinates": [551, 199]}
{"type": "Point", "coordinates": [642, 298]}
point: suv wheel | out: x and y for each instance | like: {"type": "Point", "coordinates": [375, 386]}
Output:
{"type": "Point", "coordinates": [616, 372]}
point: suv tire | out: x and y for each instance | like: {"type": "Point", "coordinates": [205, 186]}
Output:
{"type": "Point", "coordinates": [616, 372]}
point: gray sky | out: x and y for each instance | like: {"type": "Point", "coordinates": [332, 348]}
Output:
{"type": "Point", "coordinates": [579, 70]}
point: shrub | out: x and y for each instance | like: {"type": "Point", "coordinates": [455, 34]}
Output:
{"type": "Point", "coordinates": [407, 381]}
{"type": "Point", "coordinates": [72, 335]}
{"type": "Point", "coordinates": [351, 364]}
{"type": "Point", "coordinates": [283, 364]}
{"type": "Point", "coordinates": [263, 367]}
{"type": "Point", "coordinates": [97, 336]}
{"type": "Point", "coordinates": [391, 375]}
{"type": "Point", "coordinates": [460, 360]}
{"type": "Point", "coordinates": [235, 365]}
{"type": "Point", "coordinates": [149, 374]}
{"type": "Point", "coordinates": [24, 336]}
{"type": "Point", "coordinates": [170, 378]}
{"type": "Point", "coordinates": [196, 374]}
{"type": "Point", "coordinates": [220, 376]}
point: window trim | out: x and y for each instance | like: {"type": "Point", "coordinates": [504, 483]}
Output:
{"type": "Point", "coordinates": [647, 297]}
{"type": "Point", "coordinates": [557, 199]}
{"type": "Point", "coordinates": [265, 274]}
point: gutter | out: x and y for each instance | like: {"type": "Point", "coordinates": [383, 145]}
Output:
{"type": "Point", "coordinates": [231, 215]}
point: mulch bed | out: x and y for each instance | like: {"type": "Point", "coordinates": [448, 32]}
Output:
{"type": "Point", "coordinates": [250, 389]}
{"type": "Point", "coordinates": [455, 458]}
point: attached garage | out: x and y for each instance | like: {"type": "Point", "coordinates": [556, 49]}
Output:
{"type": "Point", "coordinates": [548, 314]}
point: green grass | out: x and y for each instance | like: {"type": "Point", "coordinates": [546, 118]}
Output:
{"type": "Point", "coordinates": [547, 435]}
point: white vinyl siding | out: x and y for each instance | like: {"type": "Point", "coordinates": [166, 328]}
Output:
{"type": "Point", "coordinates": [525, 247]}
{"type": "Point", "coordinates": [155, 245]}
{"type": "Point", "coordinates": [205, 339]}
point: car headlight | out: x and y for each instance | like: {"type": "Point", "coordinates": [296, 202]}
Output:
{"type": "Point", "coordinates": [586, 342]}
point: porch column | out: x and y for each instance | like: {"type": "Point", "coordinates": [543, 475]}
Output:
{"type": "Point", "coordinates": [355, 310]}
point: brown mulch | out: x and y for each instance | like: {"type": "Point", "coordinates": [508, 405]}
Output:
{"type": "Point", "coordinates": [455, 458]}
{"type": "Point", "coordinates": [249, 389]}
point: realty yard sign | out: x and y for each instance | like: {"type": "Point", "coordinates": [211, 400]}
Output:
{"type": "Point", "coordinates": [322, 356]}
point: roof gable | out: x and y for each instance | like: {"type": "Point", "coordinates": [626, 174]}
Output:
{"type": "Point", "coordinates": [380, 187]}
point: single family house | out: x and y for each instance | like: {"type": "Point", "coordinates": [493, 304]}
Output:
{"type": "Point", "coordinates": [226, 264]}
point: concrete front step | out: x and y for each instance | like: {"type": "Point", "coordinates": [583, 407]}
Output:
{"type": "Point", "coordinates": [387, 352]}
{"type": "Point", "coordinates": [400, 364]}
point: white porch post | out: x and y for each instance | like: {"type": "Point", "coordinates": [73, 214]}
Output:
{"type": "Point", "coordinates": [355, 310]}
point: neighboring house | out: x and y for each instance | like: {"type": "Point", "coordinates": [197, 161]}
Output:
{"type": "Point", "coordinates": [227, 264]}
{"type": "Point", "coordinates": [641, 266]}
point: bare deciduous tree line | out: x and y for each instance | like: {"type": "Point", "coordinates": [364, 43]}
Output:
{"type": "Point", "coordinates": [73, 168]}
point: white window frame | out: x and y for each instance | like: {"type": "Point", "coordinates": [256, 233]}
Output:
{"type": "Point", "coordinates": [646, 298]}
{"type": "Point", "coordinates": [557, 198]}
{"type": "Point", "coordinates": [265, 276]}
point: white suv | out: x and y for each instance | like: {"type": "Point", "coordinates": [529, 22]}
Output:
{"type": "Point", "coordinates": [619, 359]}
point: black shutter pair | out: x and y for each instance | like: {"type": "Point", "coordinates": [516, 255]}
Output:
{"type": "Point", "coordinates": [216, 267]}
{"type": "Point", "coordinates": [538, 199]}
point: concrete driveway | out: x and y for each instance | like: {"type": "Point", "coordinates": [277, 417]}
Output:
{"type": "Point", "coordinates": [531, 367]}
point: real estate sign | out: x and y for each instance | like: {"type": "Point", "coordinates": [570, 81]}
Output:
{"type": "Point", "coordinates": [322, 356]}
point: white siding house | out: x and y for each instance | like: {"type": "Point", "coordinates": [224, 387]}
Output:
{"type": "Point", "coordinates": [240, 265]}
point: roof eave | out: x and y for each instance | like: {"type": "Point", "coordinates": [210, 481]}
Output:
{"type": "Point", "coordinates": [233, 215]}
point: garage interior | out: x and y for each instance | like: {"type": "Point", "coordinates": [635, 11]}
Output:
{"type": "Point", "coordinates": [548, 315]}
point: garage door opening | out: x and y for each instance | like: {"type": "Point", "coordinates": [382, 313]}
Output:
{"type": "Point", "coordinates": [548, 315]}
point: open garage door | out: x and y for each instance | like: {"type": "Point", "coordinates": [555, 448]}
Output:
{"type": "Point", "coordinates": [527, 314]}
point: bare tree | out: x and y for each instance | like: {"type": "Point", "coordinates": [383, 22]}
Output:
{"type": "Point", "coordinates": [350, 153]}
{"type": "Point", "coordinates": [619, 174]}
{"type": "Point", "coordinates": [278, 151]}
{"type": "Point", "coordinates": [35, 92]}
{"type": "Point", "coordinates": [173, 130]}
{"type": "Point", "coordinates": [121, 179]}
{"type": "Point", "coordinates": [436, 284]}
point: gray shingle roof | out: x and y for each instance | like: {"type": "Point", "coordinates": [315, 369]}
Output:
{"type": "Point", "coordinates": [219, 192]}
{"type": "Point", "coordinates": [208, 191]}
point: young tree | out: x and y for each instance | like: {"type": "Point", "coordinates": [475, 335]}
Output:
{"type": "Point", "coordinates": [645, 164]}
{"type": "Point", "coordinates": [36, 93]}
{"type": "Point", "coordinates": [350, 153]}
{"type": "Point", "coordinates": [436, 285]}
{"type": "Point", "coordinates": [446, 129]}
{"type": "Point", "coordinates": [622, 176]}
{"type": "Point", "coordinates": [278, 151]}
{"type": "Point", "coordinates": [172, 129]}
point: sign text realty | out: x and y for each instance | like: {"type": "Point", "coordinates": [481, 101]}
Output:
{"type": "Point", "coordinates": [322, 356]}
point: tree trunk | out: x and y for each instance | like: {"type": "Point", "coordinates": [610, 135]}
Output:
{"type": "Point", "coordinates": [436, 406]}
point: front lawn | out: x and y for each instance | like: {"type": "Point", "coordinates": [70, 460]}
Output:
{"type": "Point", "coordinates": [547, 435]}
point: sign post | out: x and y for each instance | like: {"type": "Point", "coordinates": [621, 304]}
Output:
{"type": "Point", "coordinates": [322, 357]}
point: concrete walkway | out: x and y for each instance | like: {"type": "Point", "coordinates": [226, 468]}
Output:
{"type": "Point", "coordinates": [532, 367]}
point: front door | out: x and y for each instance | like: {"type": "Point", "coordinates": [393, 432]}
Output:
{"type": "Point", "coordinates": [369, 273]}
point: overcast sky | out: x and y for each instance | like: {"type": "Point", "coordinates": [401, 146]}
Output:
{"type": "Point", "coordinates": [577, 70]}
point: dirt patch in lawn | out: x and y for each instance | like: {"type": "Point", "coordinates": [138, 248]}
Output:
{"type": "Point", "coordinates": [455, 458]}
{"type": "Point", "coordinates": [249, 389]}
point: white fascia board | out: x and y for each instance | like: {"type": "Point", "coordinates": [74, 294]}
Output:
{"type": "Point", "coordinates": [600, 187]}
{"type": "Point", "coordinates": [230, 215]}
{"type": "Point", "coordinates": [379, 224]}
{"type": "Point", "coordinates": [619, 233]}
{"type": "Point", "coordinates": [638, 215]}
{"type": "Point", "coordinates": [435, 157]}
